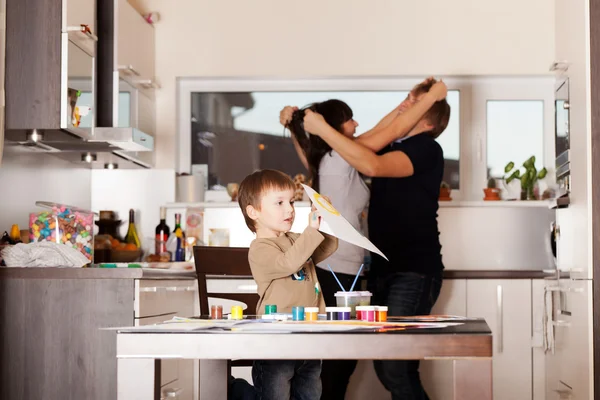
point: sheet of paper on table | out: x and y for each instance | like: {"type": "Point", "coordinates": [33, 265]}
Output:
{"type": "Point", "coordinates": [270, 326]}
{"type": "Point", "coordinates": [333, 223]}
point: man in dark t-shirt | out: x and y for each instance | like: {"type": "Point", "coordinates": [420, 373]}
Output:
{"type": "Point", "coordinates": [402, 213]}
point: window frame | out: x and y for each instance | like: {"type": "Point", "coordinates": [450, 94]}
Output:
{"type": "Point", "coordinates": [473, 95]}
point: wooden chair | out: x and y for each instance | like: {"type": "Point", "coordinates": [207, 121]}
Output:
{"type": "Point", "coordinates": [228, 262]}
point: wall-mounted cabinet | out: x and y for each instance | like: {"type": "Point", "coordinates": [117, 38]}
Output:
{"type": "Point", "coordinates": [50, 56]}
{"type": "Point", "coordinates": [126, 81]}
{"type": "Point", "coordinates": [134, 47]}
{"type": "Point", "coordinates": [126, 66]}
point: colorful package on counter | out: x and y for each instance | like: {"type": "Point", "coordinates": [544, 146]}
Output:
{"type": "Point", "coordinates": [64, 224]}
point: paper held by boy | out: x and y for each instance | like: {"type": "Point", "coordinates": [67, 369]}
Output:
{"type": "Point", "coordinates": [333, 223]}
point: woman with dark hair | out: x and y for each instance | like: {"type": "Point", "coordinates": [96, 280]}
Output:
{"type": "Point", "coordinates": [332, 176]}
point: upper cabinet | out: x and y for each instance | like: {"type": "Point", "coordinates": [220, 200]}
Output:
{"type": "Point", "coordinates": [125, 65]}
{"type": "Point", "coordinates": [50, 58]}
{"type": "Point", "coordinates": [134, 46]}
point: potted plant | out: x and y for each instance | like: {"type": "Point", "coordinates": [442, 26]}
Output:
{"type": "Point", "coordinates": [528, 178]}
{"type": "Point", "coordinates": [445, 192]}
{"type": "Point", "coordinates": [491, 192]}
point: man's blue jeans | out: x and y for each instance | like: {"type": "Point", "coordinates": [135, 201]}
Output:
{"type": "Point", "coordinates": [405, 294]}
{"type": "Point", "coordinates": [287, 379]}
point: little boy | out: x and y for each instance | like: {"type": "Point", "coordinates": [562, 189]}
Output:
{"type": "Point", "coordinates": [283, 266]}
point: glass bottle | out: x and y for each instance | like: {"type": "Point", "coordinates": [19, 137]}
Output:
{"type": "Point", "coordinates": [132, 235]}
{"type": "Point", "coordinates": [162, 232]}
{"type": "Point", "coordinates": [180, 235]}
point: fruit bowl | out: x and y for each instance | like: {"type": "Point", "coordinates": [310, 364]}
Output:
{"type": "Point", "coordinates": [125, 255]}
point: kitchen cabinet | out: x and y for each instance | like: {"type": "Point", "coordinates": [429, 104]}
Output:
{"type": "Point", "coordinates": [515, 317]}
{"type": "Point", "coordinates": [437, 375]}
{"type": "Point", "coordinates": [156, 301]}
{"type": "Point", "coordinates": [52, 340]}
{"type": "Point", "coordinates": [506, 306]}
{"type": "Point", "coordinates": [134, 46]}
{"type": "Point", "coordinates": [569, 363]}
{"type": "Point", "coordinates": [48, 60]}
{"type": "Point", "coordinates": [126, 73]}
{"type": "Point", "coordinates": [537, 339]}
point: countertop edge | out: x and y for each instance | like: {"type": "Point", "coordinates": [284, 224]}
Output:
{"type": "Point", "coordinates": [93, 273]}
{"type": "Point", "coordinates": [461, 274]}
{"type": "Point", "coordinates": [153, 273]}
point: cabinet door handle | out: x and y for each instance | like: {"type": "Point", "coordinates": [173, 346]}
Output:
{"type": "Point", "coordinates": [128, 68]}
{"type": "Point", "coordinates": [180, 288]}
{"type": "Point", "coordinates": [560, 322]}
{"type": "Point", "coordinates": [499, 320]}
{"type": "Point", "coordinates": [148, 289]}
{"type": "Point", "coordinates": [83, 29]}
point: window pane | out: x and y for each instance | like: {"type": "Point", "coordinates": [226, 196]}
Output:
{"type": "Point", "coordinates": [515, 132]}
{"type": "Point", "coordinates": [244, 129]}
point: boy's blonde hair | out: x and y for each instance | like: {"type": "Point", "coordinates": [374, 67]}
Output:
{"type": "Point", "coordinates": [255, 185]}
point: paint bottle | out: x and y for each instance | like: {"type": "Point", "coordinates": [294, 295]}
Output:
{"type": "Point", "coordinates": [216, 312]}
{"type": "Point", "coordinates": [381, 313]}
{"type": "Point", "coordinates": [343, 313]}
{"type": "Point", "coordinates": [359, 311]}
{"type": "Point", "coordinates": [298, 313]}
{"type": "Point", "coordinates": [368, 313]}
{"type": "Point", "coordinates": [270, 309]}
{"type": "Point", "coordinates": [311, 313]}
{"type": "Point", "coordinates": [237, 312]}
{"type": "Point", "coordinates": [331, 313]}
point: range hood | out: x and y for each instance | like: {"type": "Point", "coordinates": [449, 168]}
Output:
{"type": "Point", "coordinates": [101, 140]}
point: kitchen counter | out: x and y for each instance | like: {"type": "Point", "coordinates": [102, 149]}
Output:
{"type": "Point", "coordinates": [95, 273]}
{"type": "Point", "coordinates": [155, 273]}
{"type": "Point", "coordinates": [462, 274]}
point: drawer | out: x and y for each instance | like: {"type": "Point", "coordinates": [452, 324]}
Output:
{"type": "Point", "coordinates": [162, 297]}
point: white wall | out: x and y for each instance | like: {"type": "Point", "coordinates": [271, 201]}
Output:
{"type": "Point", "coordinates": [26, 178]}
{"type": "Point", "coordinates": [312, 38]}
{"type": "Point", "coordinates": [144, 190]}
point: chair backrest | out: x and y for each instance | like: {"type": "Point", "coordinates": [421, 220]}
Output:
{"type": "Point", "coordinates": [228, 262]}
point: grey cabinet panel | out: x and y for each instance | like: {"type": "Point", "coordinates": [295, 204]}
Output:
{"type": "Point", "coordinates": [51, 344]}
{"type": "Point", "coordinates": [33, 62]}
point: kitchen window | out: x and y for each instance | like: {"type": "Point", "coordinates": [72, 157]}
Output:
{"type": "Point", "coordinates": [235, 133]}
{"type": "Point", "coordinates": [515, 132]}
{"type": "Point", "coordinates": [228, 127]}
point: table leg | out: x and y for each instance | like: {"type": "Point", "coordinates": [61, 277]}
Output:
{"type": "Point", "coordinates": [473, 379]}
{"type": "Point", "coordinates": [214, 377]}
{"type": "Point", "coordinates": [136, 379]}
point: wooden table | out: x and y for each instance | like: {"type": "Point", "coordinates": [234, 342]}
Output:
{"type": "Point", "coordinates": [138, 353]}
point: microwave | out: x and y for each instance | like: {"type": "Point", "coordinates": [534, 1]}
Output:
{"type": "Point", "coordinates": [561, 137]}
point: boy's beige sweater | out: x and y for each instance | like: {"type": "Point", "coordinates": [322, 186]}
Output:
{"type": "Point", "coordinates": [284, 269]}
